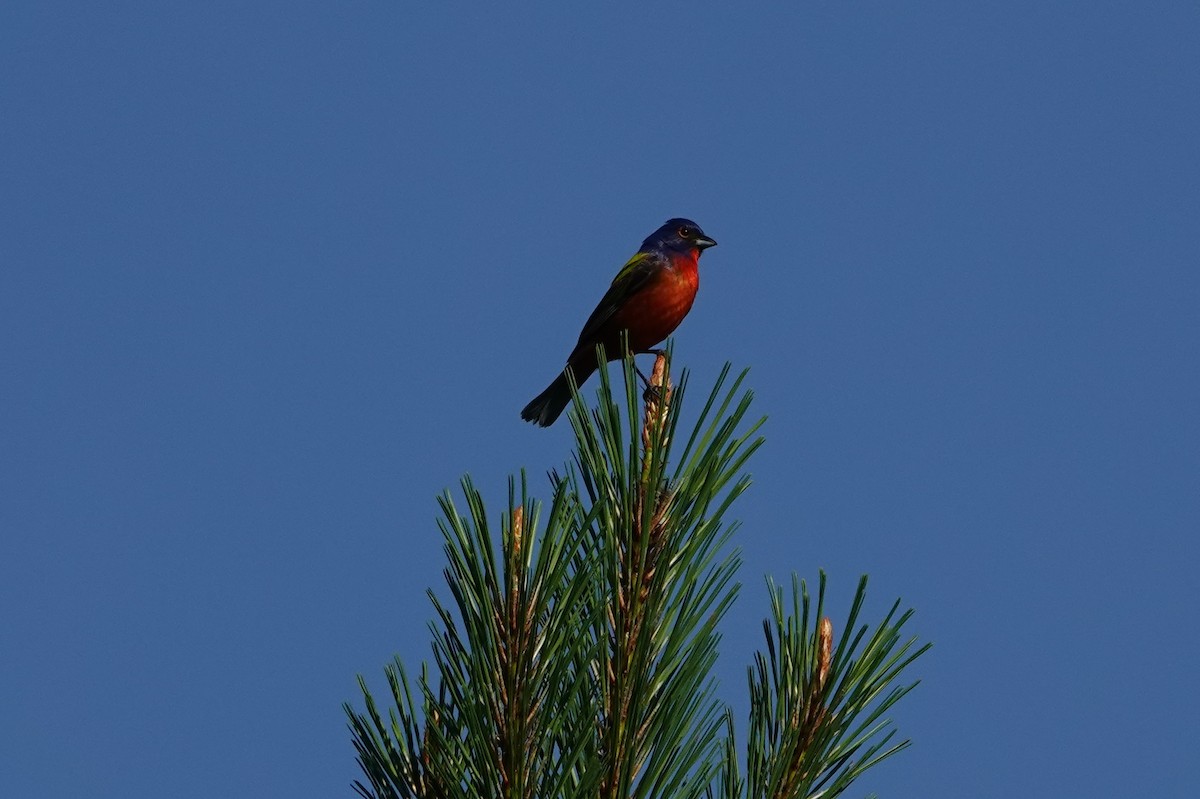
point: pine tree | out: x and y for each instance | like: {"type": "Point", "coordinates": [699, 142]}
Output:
{"type": "Point", "coordinates": [573, 657]}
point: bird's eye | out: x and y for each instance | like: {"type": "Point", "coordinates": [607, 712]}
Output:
{"type": "Point", "coordinates": [686, 232]}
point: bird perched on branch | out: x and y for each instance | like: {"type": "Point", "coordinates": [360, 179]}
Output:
{"type": "Point", "coordinates": [648, 298]}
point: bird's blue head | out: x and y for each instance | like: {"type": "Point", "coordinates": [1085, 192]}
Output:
{"type": "Point", "coordinates": [681, 235]}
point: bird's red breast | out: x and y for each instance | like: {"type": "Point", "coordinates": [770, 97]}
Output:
{"type": "Point", "coordinates": [658, 307]}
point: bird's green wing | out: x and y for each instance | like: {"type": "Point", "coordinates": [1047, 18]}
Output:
{"type": "Point", "coordinates": [633, 276]}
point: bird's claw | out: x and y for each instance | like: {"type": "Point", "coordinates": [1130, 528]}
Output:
{"type": "Point", "coordinates": [652, 394]}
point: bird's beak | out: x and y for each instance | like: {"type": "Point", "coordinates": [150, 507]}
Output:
{"type": "Point", "coordinates": [704, 242]}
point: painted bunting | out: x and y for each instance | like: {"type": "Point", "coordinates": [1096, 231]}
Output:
{"type": "Point", "coordinates": [648, 298]}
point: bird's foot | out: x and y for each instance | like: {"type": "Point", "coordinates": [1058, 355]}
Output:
{"type": "Point", "coordinates": [653, 394]}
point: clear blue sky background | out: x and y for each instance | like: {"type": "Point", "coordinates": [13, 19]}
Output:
{"type": "Point", "coordinates": [273, 275]}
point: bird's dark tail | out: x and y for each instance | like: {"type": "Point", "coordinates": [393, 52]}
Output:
{"type": "Point", "coordinates": [549, 405]}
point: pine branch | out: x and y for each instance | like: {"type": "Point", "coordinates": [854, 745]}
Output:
{"type": "Point", "coordinates": [816, 713]}
{"type": "Point", "coordinates": [668, 584]}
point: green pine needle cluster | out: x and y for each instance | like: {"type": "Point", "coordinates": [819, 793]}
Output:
{"type": "Point", "coordinates": [573, 655]}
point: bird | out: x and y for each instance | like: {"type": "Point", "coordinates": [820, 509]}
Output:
{"type": "Point", "coordinates": [647, 300]}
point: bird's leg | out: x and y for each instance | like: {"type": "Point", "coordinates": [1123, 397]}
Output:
{"type": "Point", "coordinates": [651, 392]}
{"type": "Point", "coordinates": [645, 380]}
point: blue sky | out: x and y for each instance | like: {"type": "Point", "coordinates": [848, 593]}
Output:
{"type": "Point", "coordinates": [274, 275]}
